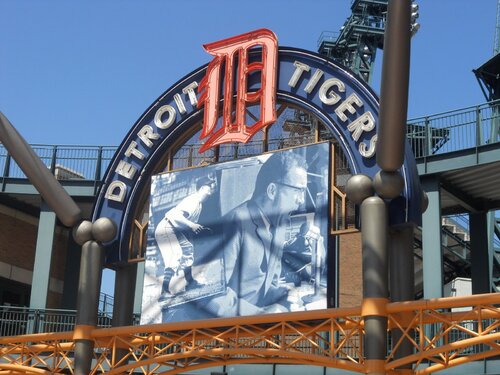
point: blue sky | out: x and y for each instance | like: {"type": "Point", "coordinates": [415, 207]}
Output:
{"type": "Point", "coordinates": [82, 72]}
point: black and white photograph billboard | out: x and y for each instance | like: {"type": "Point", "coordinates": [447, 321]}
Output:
{"type": "Point", "coordinates": [245, 237]}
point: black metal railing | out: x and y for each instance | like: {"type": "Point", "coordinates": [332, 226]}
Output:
{"type": "Point", "coordinates": [429, 135]}
{"type": "Point", "coordinates": [455, 130]}
{"type": "Point", "coordinates": [23, 320]}
{"type": "Point", "coordinates": [65, 162]}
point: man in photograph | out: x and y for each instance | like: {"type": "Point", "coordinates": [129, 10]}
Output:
{"type": "Point", "coordinates": [174, 236]}
{"type": "Point", "coordinates": [297, 256]}
{"type": "Point", "coordinates": [254, 236]}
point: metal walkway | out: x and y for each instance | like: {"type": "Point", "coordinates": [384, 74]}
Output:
{"type": "Point", "coordinates": [441, 143]}
{"type": "Point", "coordinates": [462, 149]}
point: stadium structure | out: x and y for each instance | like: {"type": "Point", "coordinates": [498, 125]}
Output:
{"type": "Point", "coordinates": [456, 252]}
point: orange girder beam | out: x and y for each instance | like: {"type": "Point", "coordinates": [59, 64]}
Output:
{"type": "Point", "coordinates": [17, 369]}
{"type": "Point", "coordinates": [276, 338]}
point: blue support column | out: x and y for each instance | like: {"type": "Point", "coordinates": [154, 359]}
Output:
{"type": "Point", "coordinates": [139, 282]}
{"type": "Point", "coordinates": [480, 257]}
{"type": "Point", "coordinates": [43, 257]}
{"type": "Point", "coordinates": [431, 240]}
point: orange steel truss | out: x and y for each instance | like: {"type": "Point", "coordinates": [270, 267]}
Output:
{"type": "Point", "coordinates": [441, 337]}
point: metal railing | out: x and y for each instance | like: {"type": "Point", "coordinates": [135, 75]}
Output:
{"type": "Point", "coordinates": [106, 303]}
{"type": "Point", "coordinates": [462, 221]}
{"type": "Point", "coordinates": [355, 21]}
{"type": "Point", "coordinates": [327, 36]}
{"type": "Point", "coordinates": [430, 135]}
{"type": "Point", "coordinates": [23, 320]}
{"type": "Point", "coordinates": [456, 130]}
{"type": "Point", "coordinates": [65, 162]}
{"type": "Point", "coordinates": [16, 321]}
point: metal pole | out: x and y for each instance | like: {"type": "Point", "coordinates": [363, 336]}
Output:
{"type": "Point", "coordinates": [495, 123]}
{"type": "Point", "coordinates": [374, 223]}
{"type": "Point", "coordinates": [388, 183]}
{"type": "Point", "coordinates": [98, 167]}
{"type": "Point", "coordinates": [394, 88]}
{"type": "Point", "coordinates": [39, 175]}
{"type": "Point", "coordinates": [90, 236]}
{"type": "Point", "coordinates": [479, 130]}
{"type": "Point", "coordinates": [123, 306]}
{"type": "Point", "coordinates": [87, 306]}
{"type": "Point", "coordinates": [6, 168]}
{"type": "Point", "coordinates": [53, 160]}
{"type": "Point", "coordinates": [428, 138]}
{"type": "Point", "coordinates": [402, 280]}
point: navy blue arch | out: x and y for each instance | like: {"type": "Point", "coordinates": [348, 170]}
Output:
{"type": "Point", "coordinates": [123, 213]}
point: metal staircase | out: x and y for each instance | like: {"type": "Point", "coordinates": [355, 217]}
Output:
{"type": "Point", "coordinates": [456, 256]}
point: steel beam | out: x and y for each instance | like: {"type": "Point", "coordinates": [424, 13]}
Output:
{"type": "Point", "coordinates": [431, 240]}
{"type": "Point", "coordinates": [450, 161]}
{"type": "Point", "coordinates": [49, 188]}
{"type": "Point", "coordinates": [462, 198]}
{"type": "Point", "coordinates": [43, 258]}
{"type": "Point", "coordinates": [139, 284]}
{"type": "Point", "coordinates": [480, 257]}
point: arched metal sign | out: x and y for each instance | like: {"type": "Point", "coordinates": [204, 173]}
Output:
{"type": "Point", "coordinates": [334, 94]}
